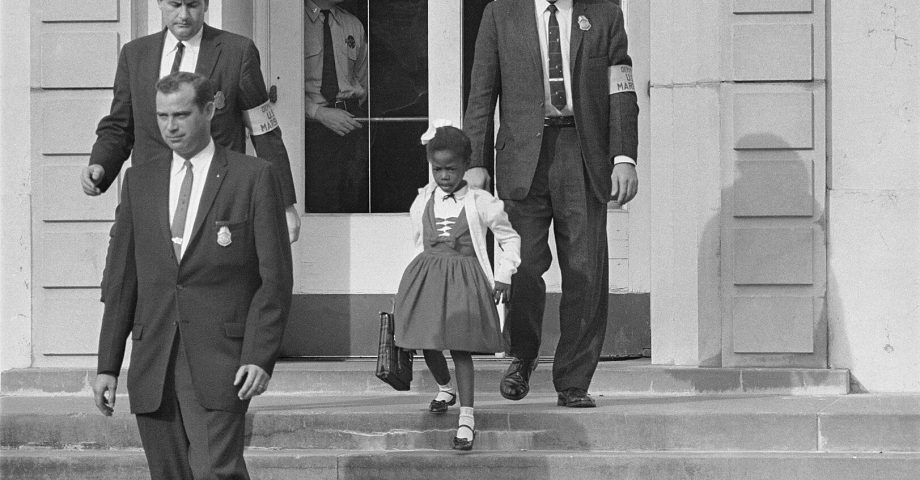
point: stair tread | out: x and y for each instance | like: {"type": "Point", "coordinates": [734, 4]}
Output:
{"type": "Point", "coordinates": [537, 402]}
{"type": "Point", "coordinates": [29, 451]}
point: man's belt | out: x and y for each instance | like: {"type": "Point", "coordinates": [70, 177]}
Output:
{"type": "Point", "coordinates": [561, 122]}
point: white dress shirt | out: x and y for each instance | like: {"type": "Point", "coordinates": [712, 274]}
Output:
{"type": "Point", "coordinates": [449, 207]}
{"type": "Point", "coordinates": [201, 162]}
{"type": "Point", "coordinates": [564, 17]}
{"type": "Point", "coordinates": [189, 56]}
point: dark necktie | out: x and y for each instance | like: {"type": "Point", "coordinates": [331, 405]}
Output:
{"type": "Point", "coordinates": [556, 80]}
{"type": "Point", "coordinates": [178, 223]}
{"type": "Point", "coordinates": [330, 86]}
{"type": "Point", "coordinates": [180, 49]}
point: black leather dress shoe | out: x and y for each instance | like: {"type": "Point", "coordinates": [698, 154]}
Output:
{"type": "Point", "coordinates": [575, 398]}
{"type": "Point", "coordinates": [516, 382]}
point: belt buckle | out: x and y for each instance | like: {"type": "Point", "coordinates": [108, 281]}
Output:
{"type": "Point", "coordinates": [558, 121]}
{"type": "Point", "coordinates": [341, 105]}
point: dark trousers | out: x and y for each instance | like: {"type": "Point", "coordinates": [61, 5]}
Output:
{"type": "Point", "coordinates": [185, 441]}
{"type": "Point", "coordinates": [336, 170]}
{"type": "Point", "coordinates": [560, 194]}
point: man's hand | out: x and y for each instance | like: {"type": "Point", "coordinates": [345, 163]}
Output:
{"type": "Point", "coordinates": [253, 379]}
{"type": "Point", "coordinates": [293, 223]}
{"type": "Point", "coordinates": [501, 292]}
{"type": "Point", "coordinates": [105, 383]}
{"type": "Point", "coordinates": [477, 177]}
{"type": "Point", "coordinates": [90, 177]}
{"type": "Point", "coordinates": [337, 120]}
{"type": "Point", "coordinates": [625, 183]}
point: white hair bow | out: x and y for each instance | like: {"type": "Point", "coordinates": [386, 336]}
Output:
{"type": "Point", "coordinates": [429, 134]}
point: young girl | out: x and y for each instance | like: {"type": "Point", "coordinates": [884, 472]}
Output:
{"type": "Point", "coordinates": [447, 295]}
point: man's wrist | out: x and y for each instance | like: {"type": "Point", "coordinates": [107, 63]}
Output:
{"type": "Point", "coordinates": [623, 159]}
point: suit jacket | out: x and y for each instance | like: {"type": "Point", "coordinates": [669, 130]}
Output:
{"type": "Point", "coordinates": [508, 64]}
{"type": "Point", "coordinates": [230, 61]}
{"type": "Point", "coordinates": [229, 303]}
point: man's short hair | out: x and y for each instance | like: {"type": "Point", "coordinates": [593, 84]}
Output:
{"type": "Point", "coordinates": [204, 88]}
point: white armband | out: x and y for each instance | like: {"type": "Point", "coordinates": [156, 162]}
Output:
{"type": "Point", "coordinates": [620, 79]}
{"type": "Point", "coordinates": [260, 120]}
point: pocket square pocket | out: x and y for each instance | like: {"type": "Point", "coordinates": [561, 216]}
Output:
{"type": "Point", "coordinates": [234, 330]}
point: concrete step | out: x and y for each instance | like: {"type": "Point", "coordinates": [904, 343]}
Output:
{"type": "Point", "coordinates": [351, 377]}
{"type": "Point", "coordinates": [849, 423]}
{"type": "Point", "coordinates": [38, 464]}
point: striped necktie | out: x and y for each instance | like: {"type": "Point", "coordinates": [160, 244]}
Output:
{"type": "Point", "coordinates": [556, 80]}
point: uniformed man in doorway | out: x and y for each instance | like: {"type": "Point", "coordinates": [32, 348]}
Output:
{"type": "Point", "coordinates": [241, 102]}
{"type": "Point", "coordinates": [335, 87]}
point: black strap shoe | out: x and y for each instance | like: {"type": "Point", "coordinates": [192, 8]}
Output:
{"type": "Point", "coordinates": [440, 406]}
{"type": "Point", "coordinates": [575, 398]}
{"type": "Point", "coordinates": [515, 384]}
{"type": "Point", "coordinates": [462, 443]}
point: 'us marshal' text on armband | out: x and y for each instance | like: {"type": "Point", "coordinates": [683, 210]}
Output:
{"type": "Point", "coordinates": [261, 120]}
{"type": "Point", "coordinates": [620, 78]}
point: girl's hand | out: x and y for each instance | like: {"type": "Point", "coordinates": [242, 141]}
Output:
{"type": "Point", "coordinates": [501, 292]}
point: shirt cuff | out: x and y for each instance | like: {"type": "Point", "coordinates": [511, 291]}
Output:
{"type": "Point", "coordinates": [311, 109]}
{"type": "Point", "coordinates": [503, 275]}
{"type": "Point", "coordinates": [623, 159]}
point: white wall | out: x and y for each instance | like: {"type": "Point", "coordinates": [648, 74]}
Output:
{"type": "Point", "coordinates": [685, 182]}
{"type": "Point", "coordinates": [874, 207]}
{"type": "Point", "coordinates": [15, 185]}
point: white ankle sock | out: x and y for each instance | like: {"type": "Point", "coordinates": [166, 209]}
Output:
{"type": "Point", "coordinates": [466, 418]}
{"type": "Point", "coordinates": [445, 392]}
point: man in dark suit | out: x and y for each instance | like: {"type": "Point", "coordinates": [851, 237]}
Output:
{"type": "Point", "coordinates": [199, 274]}
{"type": "Point", "coordinates": [241, 102]}
{"type": "Point", "coordinates": [565, 147]}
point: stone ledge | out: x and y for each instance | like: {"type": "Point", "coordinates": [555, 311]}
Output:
{"type": "Point", "coordinates": [857, 423]}
{"type": "Point", "coordinates": [631, 377]}
{"type": "Point", "coordinates": [480, 465]}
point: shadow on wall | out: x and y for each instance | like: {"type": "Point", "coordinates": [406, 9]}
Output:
{"type": "Point", "coordinates": [761, 278]}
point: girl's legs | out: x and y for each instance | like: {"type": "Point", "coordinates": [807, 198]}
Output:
{"type": "Point", "coordinates": [437, 365]}
{"type": "Point", "coordinates": [463, 366]}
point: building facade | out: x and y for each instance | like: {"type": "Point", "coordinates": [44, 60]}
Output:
{"type": "Point", "coordinates": [778, 220]}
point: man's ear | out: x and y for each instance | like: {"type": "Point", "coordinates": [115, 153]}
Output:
{"type": "Point", "coordinates": [209, 110]}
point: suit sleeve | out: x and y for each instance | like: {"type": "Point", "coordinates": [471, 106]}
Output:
{"type": "Point", "coordinates": [269, 146]}
{"type": "Point", "coordinates": [120, 285]}
{"type": "Point", "coordinates": [115, 133]}
{"type": "Point", "coordinates": [624, 106]}
{"type": "Point", "coordinates": [268, 311]}
{"type": "Point", "coordinates": [485, 86]}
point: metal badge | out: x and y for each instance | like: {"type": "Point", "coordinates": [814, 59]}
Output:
{"type": "Point", "coordinates": [350, 41]}
{"type": "Point", "coordinates": [223, 236]}
{"type": "Point", "coordinates": [583, 23]}
{"type": "Point", "coordinates": [219, 100]}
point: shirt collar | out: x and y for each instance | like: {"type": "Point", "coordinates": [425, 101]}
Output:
{"type": "Point", "coordinates": [170, 42]}
{"type": "Point", "coordinates": [560, 4]}
{"type": "Point", "coordinates": [458, 194]}
{"type": "Point", "coordinates": [201, 158]}
{"type": "Point", "coordinates": [314, 12]}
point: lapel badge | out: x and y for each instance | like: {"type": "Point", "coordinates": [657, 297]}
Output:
{"type": "Point", "coordinates": [583, 23]}
{"type": "Point", "coordinates": [223, 236]}
{"type": "Point", "coordinates": [219, 101]}
{"type": "Point", "coordinates": [350, 41]}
